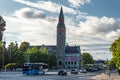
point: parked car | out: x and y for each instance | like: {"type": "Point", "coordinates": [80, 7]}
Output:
{"type": "Point", "coordinates": [74, 71]}
{"type": "Point", "coordinates": [83, 70]}
{"type": "Point", "coordinates": [62, 72]}
{"type": "Point", "coordinates": [18, 69]}
{"type": "Point", "coordinates": [92, 69]}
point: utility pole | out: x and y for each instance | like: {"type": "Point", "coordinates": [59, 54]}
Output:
{"type": "Point", "coordinates": [28, 57]}
{"type": "Point", "coordinates": [10, 55]}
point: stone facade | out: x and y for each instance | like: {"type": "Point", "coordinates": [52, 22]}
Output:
{"type": "Point", "coordinates": [67, 56]}
{"type": "Point", "coordinates": [72, 57]}
{"type": "Point", "coordinates": [61, 40]}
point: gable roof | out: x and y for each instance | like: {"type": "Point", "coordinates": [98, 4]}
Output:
{"type": "Point", "coordinates": [68, 49]}
{"type": "Point", "coordinates": [72, 49]}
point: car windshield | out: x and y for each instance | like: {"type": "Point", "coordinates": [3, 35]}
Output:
{"type": "Point", "coordinates": [62, 70]}
{"type": "Point", "coordinates": [74, 70]}
{"type": "Point", "coordinates": [82, 69]}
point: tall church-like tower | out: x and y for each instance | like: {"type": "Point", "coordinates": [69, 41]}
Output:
{"type": "Point", "coordinates": [61, 40]}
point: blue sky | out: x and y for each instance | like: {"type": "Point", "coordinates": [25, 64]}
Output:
{"type": "Point", "coordinates": [92, 24]}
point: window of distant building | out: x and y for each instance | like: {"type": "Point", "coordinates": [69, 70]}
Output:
{"type": "Point", "coordinates": [75, 62]}
{"type": "Point", "coordinates": [72, 63]}
{"type": "Point", "coordinates": [68, 62]}
{"type": "Point", "coordinates": [68, 66]}
{"type": "Point", "coordinates": [65, 62]}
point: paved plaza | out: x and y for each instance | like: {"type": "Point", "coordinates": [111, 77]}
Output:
{"type": "Point", "coordinates": [103, 76]}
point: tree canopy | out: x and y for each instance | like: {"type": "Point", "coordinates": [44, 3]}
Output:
{"type": "Point", "coordinates": [40, 55]}
{"type": "Point", "coordinates": [24, 46]}
{"type": "Point", "coordinates": [19, 54]}
{"type": "Point", "coordinates": [87, 58]}
{"type": "Point", "coordinates": [115, 49]}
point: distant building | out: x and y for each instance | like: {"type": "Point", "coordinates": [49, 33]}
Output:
{"type": "Point", "coordinates": [67, 56]}
{"type": "Point", "coordinates": [72, 57]}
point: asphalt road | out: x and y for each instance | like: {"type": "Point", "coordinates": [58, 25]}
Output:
{"type": "Point", "coordinates": [47, 76]}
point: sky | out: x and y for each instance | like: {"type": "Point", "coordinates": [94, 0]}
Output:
{"type": "Point", "coordinates": [91, 24]}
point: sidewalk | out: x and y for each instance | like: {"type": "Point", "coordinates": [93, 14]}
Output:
{"type": "Point", "coordinates": [103, 76]}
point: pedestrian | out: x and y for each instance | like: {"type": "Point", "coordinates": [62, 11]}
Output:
{"type": "Point", "coordinates": [118, 71]}
{"type": "Point", "coordinates": [109, 73]}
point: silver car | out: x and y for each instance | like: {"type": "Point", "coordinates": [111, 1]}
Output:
{"type": "Point", "coordinates": [83, 70]}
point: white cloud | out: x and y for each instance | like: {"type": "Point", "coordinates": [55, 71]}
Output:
{"type": "Point", "coordinates": [92, 30]}
{"type": "Point", "coordinates": [112, 35]}
{"type": "Point", "coordinates": [47, 6]}
{"type": "Point", "coordinates": [78, 3]}
{"type": "Point", "coordinates": [31, 30]}
{"type": "Point", "coordinates": [97, 26]}
{"type": "Point", "coordinates": [37, 25]}
{"type": "Point", "coordinates": [30, 13]}
{"type": "Point", "coordinates": [92, 25]}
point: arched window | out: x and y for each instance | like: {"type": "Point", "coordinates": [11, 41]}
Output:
{"type": "Point", "coordinates": [65, 62]}
{"type": "Point", "coordinates": [60, 62]}
{"type": "Point", "coordinates": [75, 62]}
{"type": "Point", "coordinates": [72, 63]}
{"type": "Point", "coordinates": [68, 62]}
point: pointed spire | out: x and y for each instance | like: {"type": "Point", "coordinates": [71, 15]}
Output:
{"type": "Point", "coordinates": [61, 13]}
{"type": "Point", "coordinates": [61, 19]}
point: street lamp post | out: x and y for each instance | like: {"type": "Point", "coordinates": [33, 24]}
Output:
{"type": "Point", "coordinates": [28, 56]}
{"type": "Point", "coordinates": [4, 43]}
{"type": "Point", "coordinates": [10, 55]}
{"type": "Point", "coordinates": [28, 60]}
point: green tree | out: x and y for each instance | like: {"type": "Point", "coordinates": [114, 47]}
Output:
{"type": "Point", "coordinates": [39, 55]}
{"type": "Point", "coordinates": [44, 50]}
{"type": "Point", "coordinates": [24, 46]}
{"type": "Point", "coordinates": [19, 58]}
{"type": "Point", "coordinates": [14, 54]}
{"type": "Point", "coordinates": [1, 48]}
{"type": "Point", "coordinates": [34, 54]}
{"type": "Point", "coordinates": [2, 26]}
{"type": "Point", "coordinates": [87, 58]}
{"type": "Point", "coordinates": [113, 62]}
{"type": "Point", "coordinates": [115, 49]}
{"type": "Point", "coordinates": [1, 54]}
{"type": "Point", "coordinates": [52, 60]}
{"type": "Point", "coordinates": [11, 51]}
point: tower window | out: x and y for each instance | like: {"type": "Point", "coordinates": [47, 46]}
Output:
{"type": "Point", "coordinates": [60, 33]}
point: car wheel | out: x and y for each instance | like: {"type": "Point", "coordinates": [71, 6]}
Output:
{"type": "Point", "coordinates": [60, 74]}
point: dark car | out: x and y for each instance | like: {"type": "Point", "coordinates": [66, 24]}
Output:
{"type": "Point", "coordinates": [62, 72]}
{"type": "Point", "coordinates": [92, 69]}
{"type": "Point", "coordinates": [74, 71]}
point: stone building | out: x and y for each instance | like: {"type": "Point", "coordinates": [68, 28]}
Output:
{"type": "Point", "coordinates": [67, 56]}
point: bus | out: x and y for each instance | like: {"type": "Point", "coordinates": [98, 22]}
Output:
{"type": "Point", "coordinates": [34, 68]}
